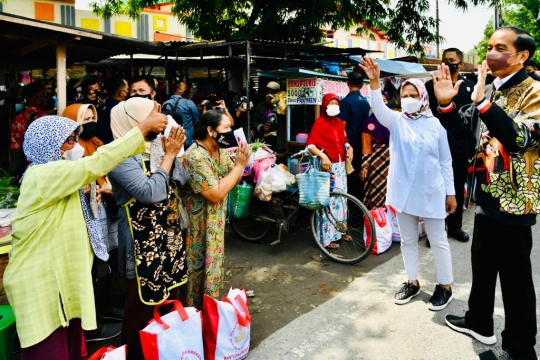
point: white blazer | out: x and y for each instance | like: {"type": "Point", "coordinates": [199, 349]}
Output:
{"type": "Point", "coordinates": [420, 175]}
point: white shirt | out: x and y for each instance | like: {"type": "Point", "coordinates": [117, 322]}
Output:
{"type": "Point", "coordinates": [420, 175]}
{"type": "Point", "coordinates": [497, 83]}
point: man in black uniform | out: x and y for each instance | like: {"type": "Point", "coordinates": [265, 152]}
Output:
{"type": "Point", "coordinates": [458, 138]}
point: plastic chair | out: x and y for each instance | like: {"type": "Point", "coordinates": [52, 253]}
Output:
{"type": "Point", "coordinates": [7, 332]}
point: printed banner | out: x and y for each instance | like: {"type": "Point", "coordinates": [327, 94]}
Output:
{"type": "Point", "coordinates": [326, 86]}
{"type": "Point", "coordinates": [302, 91]}
{"type": "Point", "coordinates": [311, 90]}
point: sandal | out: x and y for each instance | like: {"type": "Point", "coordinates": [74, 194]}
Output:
{"type": "Point", "coordinates": [346, 237]}
{"type": "Point", "coordinates": [332, 245]}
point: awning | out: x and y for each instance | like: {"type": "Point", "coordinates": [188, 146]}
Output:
{"type": "Point", "coordinates": [297, 72]}
{"type": "Point", "coordinates": [399, 68]}
{"type": "Point", "coordinates": [30, 43]}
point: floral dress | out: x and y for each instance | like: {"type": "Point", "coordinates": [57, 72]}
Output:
{"type": "Point", "coordinates": [326, 231]}
{"type": "Point", "coordinates": [206, 233]}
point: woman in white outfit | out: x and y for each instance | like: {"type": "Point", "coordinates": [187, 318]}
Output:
{"type": "Point", "coordinates": [420, 182]}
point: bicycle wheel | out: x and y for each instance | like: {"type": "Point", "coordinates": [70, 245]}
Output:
{"type": "Point", "coordinates": [344, 216]}
{"type": "Point", "coordinates": [257, 224]}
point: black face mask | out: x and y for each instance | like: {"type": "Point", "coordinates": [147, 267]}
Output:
{"type": "Point", "coordinates": [452, 67]}
{"type": "Point", "coordinates": [226, 139]}
{"type": "Point", "coordinates": [151, 136]}
{"type": "Point", "coordinates": [147, 96]}
{"type": "Point", "coordinates": [89, 130]}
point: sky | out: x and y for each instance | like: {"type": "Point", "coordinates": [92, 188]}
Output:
{"type": "Point", "coordinates": [461, 30]}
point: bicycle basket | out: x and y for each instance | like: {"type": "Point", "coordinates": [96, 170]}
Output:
{"type": "Point", "coordinates": [314, 188]}
{"type": "Point", "coordinates": [239, 200]}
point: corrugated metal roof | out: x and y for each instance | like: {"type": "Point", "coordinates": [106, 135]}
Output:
{"type": "Point", "coordinates": [259, 48]}
{"type": "Point", "coordinates": [30, 43]}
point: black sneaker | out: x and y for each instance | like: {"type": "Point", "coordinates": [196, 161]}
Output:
{"type": "Point", "coordinates": [458, 324]}
{"type": "Point", "coordinates": [103, 332]}
{"type": "Point", "coordinates": [441, 297]}
{"type": "Point", "coordinates": [494, 354]}
{"type": "Point", "coordinates": [406, 293]}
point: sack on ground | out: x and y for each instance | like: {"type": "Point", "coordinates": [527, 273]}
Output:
{"type": "Point", "coordinates": [383, 231]}
{"type": "Point", "coordinates": [226, 326]}
{"type": "Point", "coordinates": [392, 218]}
{"type": "Point", "coordinates": [176, 335]}
{"type": "Point", "coordinates": [314, 188]}
{"type": "Point", "coordinates": [109, 353]}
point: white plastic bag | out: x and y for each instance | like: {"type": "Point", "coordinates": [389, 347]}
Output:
{"type": "Point", "coordinates": [227, 326]}
{"type": "Point", "coordinates": [383, 231]}
{"type": "Point", "coordinates": [176, 335]}
{"type": "Point", "coordinates": [392, 218]}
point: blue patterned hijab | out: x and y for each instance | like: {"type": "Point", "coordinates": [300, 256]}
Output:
{"type": "Point", "coordinates": [44, 138]}
{"type": "Point", "coordinates": [42, 143]}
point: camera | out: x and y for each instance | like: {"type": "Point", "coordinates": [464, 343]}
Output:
{"type": "Point", "coordinates": [211, 104]}
{"type": "Point", "coordinates": [272, 119]}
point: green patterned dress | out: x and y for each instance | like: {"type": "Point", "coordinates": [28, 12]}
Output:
{"type": "Point", "coordinates": [206, 233]}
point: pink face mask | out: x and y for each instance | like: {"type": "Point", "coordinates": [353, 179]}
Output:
{"type": "Point", "coordinates": [497, 60]}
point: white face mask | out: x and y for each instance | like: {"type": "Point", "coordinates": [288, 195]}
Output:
{"type": "Point", "coordinates": [410, 105]}
{"type": "Point", "coordinates": [74, 154]}
{"type": "Point", "coordinates": [332, 110]}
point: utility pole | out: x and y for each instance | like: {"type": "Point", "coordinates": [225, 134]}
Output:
{"type": "Point", "coordinates": [437, 28]}
{"type": "Point", "coordinates": [496, 16]}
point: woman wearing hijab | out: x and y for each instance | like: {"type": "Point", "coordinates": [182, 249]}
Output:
{"type": "Point", "coordinates": [211, 174]}
{"type": "Point", "coordinates": [328, 141]}
{"type": "Point", "coordinates": [151, 246]}
{"type": "Point", "coordinates": [51, 256]}
{"type": "Point", "coordinates": [420, 182]}
{"type": "Point", "coordinates": [86, 116]}
{"type": "Point", "coordinates": [375, 160]}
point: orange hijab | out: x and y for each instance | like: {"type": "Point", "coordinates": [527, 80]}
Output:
{"type": "Point", "coordinates": [76, 112]}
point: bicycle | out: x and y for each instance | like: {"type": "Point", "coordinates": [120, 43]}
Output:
{"type": "Point", "coordinates": [282, 212]}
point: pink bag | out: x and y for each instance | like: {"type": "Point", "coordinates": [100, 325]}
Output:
{"type": "Point", "coordinates": [383, 231]}
{"type": "Point", "coordinates": [226, 326]}
{"type": "Point", "coordinates": [176, 335]}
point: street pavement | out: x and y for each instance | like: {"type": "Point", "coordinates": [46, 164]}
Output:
{"type": "Point", "coordinates": [362, 322]}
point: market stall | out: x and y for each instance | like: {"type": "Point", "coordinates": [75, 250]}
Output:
{"type": "Point", "coordinates": [304, 92]}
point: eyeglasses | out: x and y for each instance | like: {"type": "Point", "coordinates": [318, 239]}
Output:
{"type": "Point", "coordinates": [72, 139]}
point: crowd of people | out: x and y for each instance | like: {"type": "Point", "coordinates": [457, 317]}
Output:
{"type": "Point", "coordinates": [145, 201]}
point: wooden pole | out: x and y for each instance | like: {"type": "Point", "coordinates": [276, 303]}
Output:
{"type": "Point", "coordinates": [61, 76]}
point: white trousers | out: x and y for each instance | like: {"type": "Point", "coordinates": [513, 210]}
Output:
{"type": "Point", "coordinates": [408, 227]}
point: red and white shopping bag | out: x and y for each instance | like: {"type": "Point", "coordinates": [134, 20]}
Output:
{"type": "Point", "coordinates": [391, 216]}
{"type": "Point", "coordinates": [176, 335]}
{"type": "Point", "coordinates": [226, 326]}
{"type": "Point", "coordinates": [109, 353]}
{"type": "Point", "coordinates": [383, 231]}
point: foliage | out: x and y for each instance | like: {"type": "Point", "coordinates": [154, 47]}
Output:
{"type": "Point", "coordinates": [519, 13]}
{"type": "Point", "coordinates": [481, 47]}
{"type": "Point", "coordinates": [405, 22]}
